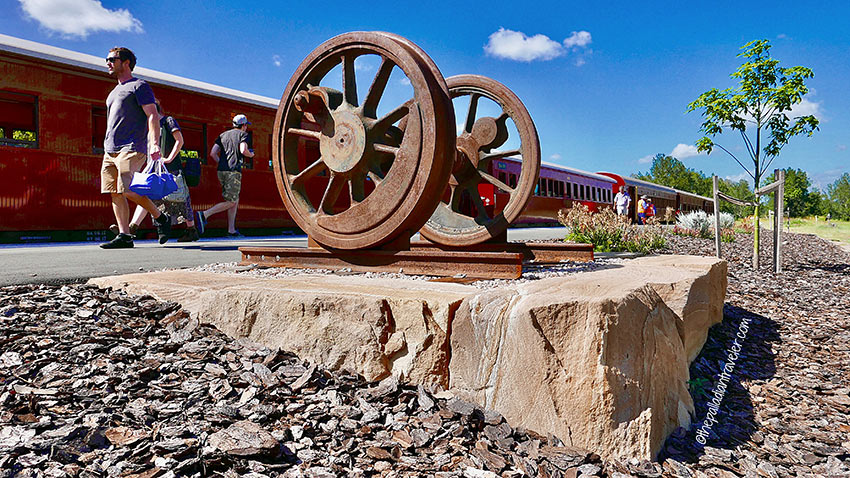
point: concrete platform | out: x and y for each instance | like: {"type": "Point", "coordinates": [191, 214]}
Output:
{"type": "Point", "coordinates": [599, 359]}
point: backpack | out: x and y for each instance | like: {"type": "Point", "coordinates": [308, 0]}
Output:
{"type": "Point", "coordinates": [192, 171]}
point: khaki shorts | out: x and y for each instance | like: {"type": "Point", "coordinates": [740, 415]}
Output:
{"type": "Point", "coordinates": [231, 184]}
{"type": "Point", "coordinates": [116, 171]}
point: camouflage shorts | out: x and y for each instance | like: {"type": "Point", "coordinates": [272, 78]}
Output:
{"type": "Point", "coordinates": [231, 184]}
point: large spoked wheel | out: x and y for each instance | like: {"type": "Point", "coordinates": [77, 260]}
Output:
{"type": "Point", "coordinates": [369, 179]}
{"type": "Point", "coordinates": [463, 218]}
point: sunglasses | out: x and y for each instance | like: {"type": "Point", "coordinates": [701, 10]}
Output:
{"type": "Point", "coordinates": [110, 59]}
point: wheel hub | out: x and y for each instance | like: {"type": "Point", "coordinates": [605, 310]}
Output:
{"type": "Point", "coordinates": [343, 142]}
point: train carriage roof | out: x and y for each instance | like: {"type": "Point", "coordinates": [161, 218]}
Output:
{"type": "Point", "coordinates": [577, 172]}
{"type": "Point", "coordinates": [686, 193]}
{"type": "Point", "coordinates": [90, 62]}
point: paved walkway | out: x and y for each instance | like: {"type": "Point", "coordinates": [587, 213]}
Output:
{"type": "Point", "coordinates": [78, 262]}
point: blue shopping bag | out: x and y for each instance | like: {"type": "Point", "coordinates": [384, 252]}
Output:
{"type": "Point", "coordinates": [154, 181]}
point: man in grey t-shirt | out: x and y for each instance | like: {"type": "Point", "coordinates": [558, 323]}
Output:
{"type": "Point", "coordinates": [233, 145]}
{"type": "Point", "coordinates": [132, 123]}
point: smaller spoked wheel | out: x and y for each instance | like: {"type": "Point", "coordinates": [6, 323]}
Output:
{"type": "Point", "coordinates": [496, 165]}
{"type": "Point", "coordinates": [356, 169]}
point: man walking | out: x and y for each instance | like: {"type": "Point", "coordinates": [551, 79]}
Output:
{"type": "Point", "coordinates": [132, 124]}
{"type": "Point", "coordinates": [233, 143]}
{"type": "Point", "coordinates": [622, 201]}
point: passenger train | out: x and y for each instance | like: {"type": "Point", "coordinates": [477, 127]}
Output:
{"type": "Point", "coordinates": [53, 119]}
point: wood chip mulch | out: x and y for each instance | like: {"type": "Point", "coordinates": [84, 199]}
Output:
{"type": "Point", "coordinates": [97, 383]}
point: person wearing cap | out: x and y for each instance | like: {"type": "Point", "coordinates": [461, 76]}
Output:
{"type": "Point", "coordinates": [233, 146]}
{"type": "Point", "coordinates": [641, 210]}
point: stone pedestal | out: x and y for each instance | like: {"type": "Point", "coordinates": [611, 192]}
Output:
{"type": "Point", "coordinates": [599, 359]}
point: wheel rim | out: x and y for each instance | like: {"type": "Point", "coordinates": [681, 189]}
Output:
{"type": "Point", "coordinates": [405, 153]}
{"type": "Point", "coordinates": [452, 222]}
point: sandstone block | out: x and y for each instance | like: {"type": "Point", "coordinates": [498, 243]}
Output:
{"type": "Point", "coordinates": [599, 359]}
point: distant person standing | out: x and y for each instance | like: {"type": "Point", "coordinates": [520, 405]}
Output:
{"type": "Point", "coordinates": [622, 201]}
{"type": "Point", "coordinates": [132, 126]}
{"type": "Point", "coordinates": [649, 209]}
{"type": "Point", "coordinates": [641, 210]}
{"type": "Point", "coordinates": [233, 146]}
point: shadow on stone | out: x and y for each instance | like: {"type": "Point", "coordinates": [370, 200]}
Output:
{"type": "Point", "coordinates": [735, 421]}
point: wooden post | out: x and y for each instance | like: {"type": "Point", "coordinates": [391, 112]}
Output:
{"type": "Point", "coordinates": [715, 180]}
{"type": "Point", "coordinates": [779, 207]}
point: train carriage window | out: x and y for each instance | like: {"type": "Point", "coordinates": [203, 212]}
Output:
{"type": "Point", "coordinates": [512, 179]}
{"type": "Point", "coordinates": [550, 187]}
{"type": "Point", "coordinates": [575, 191]}
{"type": "Point", "coordinates": [541, 187]}
{"type": "Point", "coordinates": [18, 120]}
{"type": "Point", "coordinates": [568, 190]}
{"type": "Point", "coordinates": [194, 139]}
{"type": "Point", "coordinates": [502, 177]}
{"type": "Point", "coordinates": [98, 128]}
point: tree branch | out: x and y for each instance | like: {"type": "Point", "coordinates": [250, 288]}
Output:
{"type": "Point", "coordinates": [736, 160]}
{"type": "Point", "coordinates": [748, 144]}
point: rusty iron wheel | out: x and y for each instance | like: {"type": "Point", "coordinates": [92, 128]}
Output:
{"type": "Point", "coordinates": [462, 218]}
{"type": "Point", "coordinates": [378, 177]}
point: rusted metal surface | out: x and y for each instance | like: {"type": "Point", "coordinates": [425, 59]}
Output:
{"type": "Point", "coordinates": [483, 265]}
{"type": "Point", "coordinates": [537, 252]}
{"type": "Point", "coordinates": [406, 154]}
{"type": "Point", "coordinates": [463, 218]}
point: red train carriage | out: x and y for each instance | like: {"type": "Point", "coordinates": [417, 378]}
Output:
{"type": "Point", "coordinates": [558, 187]}
{"type": "Point", "coordinates": [52, 123]}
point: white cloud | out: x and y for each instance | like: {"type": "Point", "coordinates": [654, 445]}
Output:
{"type": "Point", "coordinates": [580, 61]}
{"type": "Point", "coordinates": [512, 45]}
{"type": "Point", "coordinates": [276, 60]}
{"type": "Point", "coordinates": [79, 18]}
{"type": "Point", "coordinates": [782, 36]}
{"type": "Point", "coordinates": [405, 81]}
{"type": "Point", "coordinates": [555, 157]}
{"type": "Point", "coordinates": [682, 151]}
{"type": "Point", "coordinates": [646, 159]}
{"type": "Point", "coordinates": [738, 177]}
{"type": "Point", "coordinates": [804, 108]}
{"type": "Point", "coordinates": [578, 39]}
{"type": "Point", "coordinates": [841, 147]}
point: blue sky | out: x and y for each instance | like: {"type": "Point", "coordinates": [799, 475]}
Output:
{"type": "Point", "coordinates": [607, 86]}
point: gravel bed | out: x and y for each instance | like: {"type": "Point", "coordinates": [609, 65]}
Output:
{"type": "Point", "coordinates": [96, 383]}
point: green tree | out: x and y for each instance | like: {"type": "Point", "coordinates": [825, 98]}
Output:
{"type": "Point", "coordinates": [799, 201]}
{"type": "Point", "coordinates": [839, 197]}
{"type": "Point", "coordinates": [758, 110]}
{"type": "Point", "coordinates": [669, 171]}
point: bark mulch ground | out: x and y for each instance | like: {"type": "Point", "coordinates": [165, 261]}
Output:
{"type": "Point", "coordinates": [97, 383]}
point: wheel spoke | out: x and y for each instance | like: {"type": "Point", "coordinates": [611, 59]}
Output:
{"type": "Point", "coordinates": [335, 186]}
{"type": "Point", "coordinates": [349, 82]}
{"type": "Point", "coordinates": [370, 104]}
{"type": "Point", "coordinates": [375, 178]}
{"type": "Point", "coordinates": [471, 112]}
{"type": "Point", "coordinates": [312, 170]}
{"type": "Point", "coordinates": [482, 216]}
{"type": "Point", "coordinates": [495, 182]}
{"type": "Point", "coordinates": [357, 188]}
{"type": "Point", "coordinates": [500, 154]}
{"type": "Point", "coordinates": [502, 117]}
{"type": "Point", "coordinates": [383, 148]}
{"type": "Point", "coordinates": [392, 117]}
{"type": "Point", "coordinates": [305, 133]}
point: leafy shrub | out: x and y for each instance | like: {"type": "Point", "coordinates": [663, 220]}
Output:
{"type": "Point", "coordinates": [745, 225]}
{"type": "Point", "coordinates": [701, 224]}
{"type": "Point", "coordinates": [609, 232]}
